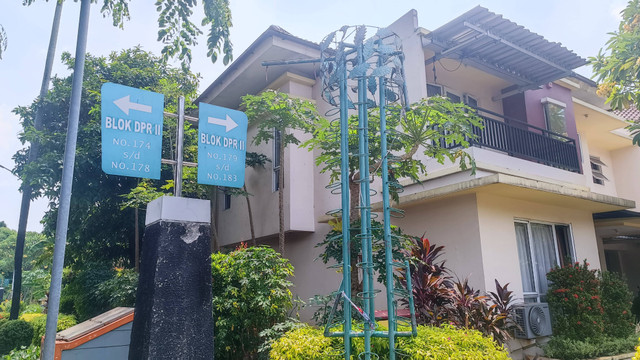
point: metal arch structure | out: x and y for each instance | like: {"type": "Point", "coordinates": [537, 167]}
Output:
{"type": "Point", "coordinates": [360, 73]}
{"type": "Point", "coordinates": [371, 68]}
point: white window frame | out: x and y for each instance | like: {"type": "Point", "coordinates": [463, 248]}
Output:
{"type": "Point", "coordinates": [597, 171]}
{"type": "Point", "coordinates": [537, 295]}
{"type": "Point", "coordinates": [548, 100]}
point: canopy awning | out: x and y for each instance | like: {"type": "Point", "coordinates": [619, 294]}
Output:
{"type": "Point", "coordinates": [487, 41]}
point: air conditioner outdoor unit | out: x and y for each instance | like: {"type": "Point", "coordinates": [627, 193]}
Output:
{"type": "Point", "coordinates": [533, 320]}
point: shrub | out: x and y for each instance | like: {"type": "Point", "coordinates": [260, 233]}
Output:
{"type": "Point", "coordinates": [447, 342]}
{"type": "Point", "coordinates": [616, 301]}
{"type": "Point", "coordinates": [444, 342]}
{"type": "Point", "coordinates": [39, 324]}
{"type": "Point", "coordinates": [14, 334]}
{"type": "Point", "coordinates": [575, 302]}
{"type": "Point", "coordinates": [96, 289]}
{"type": "Point", "coordinates": [587, 305]}
{"type": "Point", "coordinates": [305, 343]}
{"type": "Point", "coordinates": [563, 348]}
{"type": "Point", "coordinates": [251, 294]}
{"type": "Point", "coordinates": [24, 353]}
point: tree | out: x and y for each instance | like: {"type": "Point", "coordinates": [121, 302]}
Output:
{"type": "Point", "coordinates": [98, 229]}
{"type": "Point", "coordinates": [432, 125]}
{"type": "Point", "coordinates": [618, 67]}
{"type": "Point", "coordinates": [278, 117]}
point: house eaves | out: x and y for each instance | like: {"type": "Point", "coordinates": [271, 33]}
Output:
{"type": "Point", "coordinates": [246, 75]}
{"type": "Point", "coordinates": [487, 41]}
{"type": "Point", "coordinates": [523, 189]}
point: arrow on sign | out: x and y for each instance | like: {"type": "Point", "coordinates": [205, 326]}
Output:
{"type": "Point", "coordinates": [125, 104]}
{"type": "Point", "coordinates": [228, 122]}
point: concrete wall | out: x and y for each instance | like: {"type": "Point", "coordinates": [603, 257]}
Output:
{"type": "Point", "coordinates": [451, 222]}
{"type": "Point", "coordinates": [625, 168]}
{"type": "Point", "coordinates": [498, 238]}
{"type": "Point", "coordinates": [535, 112]}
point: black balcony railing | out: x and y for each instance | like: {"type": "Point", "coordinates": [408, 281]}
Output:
{"type": "Point", "coordinates": [525, 141]}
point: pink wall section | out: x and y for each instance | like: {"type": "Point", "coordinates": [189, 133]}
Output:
{"type": "Point", "coordinates": [535, 113]}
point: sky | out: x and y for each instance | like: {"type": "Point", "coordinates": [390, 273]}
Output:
{"type": "Point", "coordinates": [580, 25]}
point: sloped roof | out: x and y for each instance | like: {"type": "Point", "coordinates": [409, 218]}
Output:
{"type": "Point", "coordinates": [632, 113]}
{"type": "Point", "coordinates": [491, 43]}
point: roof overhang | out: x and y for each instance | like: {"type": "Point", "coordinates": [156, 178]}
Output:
{"type": "Point", "coordinates": [596, 125]}
{"type": "Point", "coordinates": [247, 75]}
{"type": "Point", "coordinates": [487, 41]}
{"type": "Point", "coordinates": [523, 189]}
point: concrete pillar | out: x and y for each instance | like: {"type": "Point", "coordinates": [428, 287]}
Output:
{"type": "Point", "coordinates": [173, 318]}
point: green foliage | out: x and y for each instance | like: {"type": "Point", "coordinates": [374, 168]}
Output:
{"type": "Point", "coordinates": [24, 353]}
{"type": "Point", "coordinates": [332, 244]}
{"type": "Point", "coordinates": [431, 123]}
{"type": "Point", "coordinates": [14, 334]}
{"type": "Point", "coordinates": [618, 68]}
{"type": "Point", "coordinates": [587, 305]}
{"type": "Point", "coordinates": [98, 229]}
{"type": "Point", "coordinates": [270, 335]}
{"type": "Point", "coordinates": [39, 323]}
{"type": "Point", "coordinates": [563, 348]}
{"type": "Point", "coordinates": [574, 299]}
{"type": "Point", "coordinates": [251, 294]}
{"type": "Point", "coordinates": [616, 301]}
{"type": "Point", "coordinates": [277, 110]}
{"type": "Point", "coordinates": [444, 342]}
{"type": "Point", "coordinates": [96, 289]}
{"type": "Point", "coordinates": [36, 246]}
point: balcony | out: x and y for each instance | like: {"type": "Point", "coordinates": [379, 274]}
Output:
{"type": "Point", "coordinates": [519, 139]}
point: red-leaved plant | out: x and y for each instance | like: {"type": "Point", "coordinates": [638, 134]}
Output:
{"type": "Point", "coordinates": [440, 300]}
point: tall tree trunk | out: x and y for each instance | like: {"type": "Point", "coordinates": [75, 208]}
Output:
{"type": "Point", "coordinates": [354, 214]}
{"type": "Point", "coordinates": [281, 199]}
{"type": "Point", "coordinates": [253, 232]}
{"type": "Point", "coordinates": [33, 155]}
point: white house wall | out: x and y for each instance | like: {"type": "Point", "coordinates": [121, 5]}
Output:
{"type": "Point", "coordinates": [499, 248]}
{"type": "Point", "coordinates": [452, 222]}
{"type": "Point", "coordinates": [626, 171]}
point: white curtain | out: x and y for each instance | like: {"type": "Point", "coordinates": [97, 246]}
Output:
{"type": "Point", "coordinates": [524, 254]}
{"type": "Point", "coordinates": [545, 253]}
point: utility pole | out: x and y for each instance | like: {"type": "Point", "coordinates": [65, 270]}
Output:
{"type": "Point", "coordinates": [62, 224]}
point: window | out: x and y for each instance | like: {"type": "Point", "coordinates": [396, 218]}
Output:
{"type": "Point", "coordinates": [227, 201]}
{"type": "Point", "coordinates": [554, 116]}
{"type": "Point", "coordinates": [453, 97]}
{"type": "Point", "coordinates": [596, 170]}
{"type": "Point", "coordinates": [541, 246]}
{"type": "Point", "coordinates": [277, 143]}
{"type": "Point", "coordinates": [471, 101]}
{"type": "Point", "coordinates": [434, 90]}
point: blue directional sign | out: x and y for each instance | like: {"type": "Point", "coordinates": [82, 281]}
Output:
{"type": "Point", "coordinates": [131, 131]}
{"type": "Point", "coordinates": [222, 146]}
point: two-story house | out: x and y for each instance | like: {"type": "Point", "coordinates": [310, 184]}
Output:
{"type": "Point", "coordinates": [556, 178]}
